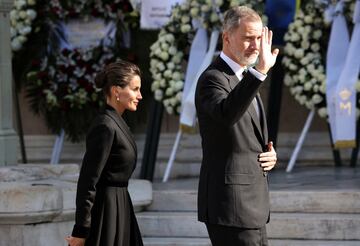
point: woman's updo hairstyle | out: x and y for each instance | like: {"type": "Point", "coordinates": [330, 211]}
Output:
{"type": "Point", "coordinates": [118, 73]}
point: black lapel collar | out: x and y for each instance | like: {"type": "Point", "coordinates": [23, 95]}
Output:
{"type": "Point", "coordinates": [110, 111]}
{"type": "Point", "coordinates": [222, 66]}
{"type": "Point", "coordinates": [255, 119]}
{"type": "Point", "coordinates": [264, 123]}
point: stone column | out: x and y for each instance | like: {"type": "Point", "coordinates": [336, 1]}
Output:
{"type": "Point", "coordinates": [8, 136]}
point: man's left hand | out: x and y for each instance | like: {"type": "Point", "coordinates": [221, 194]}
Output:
{"type": "Point", "coordinates": [268, 159]}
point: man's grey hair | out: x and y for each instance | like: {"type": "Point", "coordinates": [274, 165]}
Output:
{"type": "Point", "coordinates": [234, 15]}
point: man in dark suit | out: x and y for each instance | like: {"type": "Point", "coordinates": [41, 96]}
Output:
{"type": "Point", "coordinates": [233, 197]}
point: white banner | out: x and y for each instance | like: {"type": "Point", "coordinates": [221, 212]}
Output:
{"type": "Point", "coordinates": [188, 114]}
{"type": "Point", "coordinates": [346, 91]}
{"type": "Point", "coordinates": [87, 33]}
{"type": "Point", "coordinates": [335, 60]}
{"type": "Point", "coordinates": [198, 50]}
{"type": "Point", "coordinates": [156, 13]}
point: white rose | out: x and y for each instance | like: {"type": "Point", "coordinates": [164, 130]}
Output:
{"type": "Point", "coordinates": [185, 28]}
{"type": "Point", "coordinates": [214, 17]}
{"type": "Point", "coordinates": [169, 91]}
{"type": "Point", "coordinates": [304, 61]}
{"type": "Point", "coordinates": [179, 85]}
{"type": "Point", "coordinates": [172, 50]}
{"type": "Point", "coordinates": [205, 8]}
{"type": "Point", "coordinates": [164, 46]}
{"type": "Point", "coordinates": [162, 83]}
{"type": "Point", "coordinates": [167, 74]}
{"type": "Point", "coordinates": [173, 101]}
{"type": "Point", "coordinates": [309, 104]}
{"type": "Point", "coordinates": [31, 2]}
{"type": "Point", "coordinates": [194, 12]}
{"type": "Point", "coordinates": [287, 80]}
{"type": "Point", "coordinates": [316, 98]}
{"type": "Point", "coordinates": [19, 4]}
{"type": "Point", "coordinates": [315, 47]}
{"type": "Point", "coordinates": [302, 100]}
{"type": "Point", "coordinates": [31, 14]}
{"type": "Point", "coordinates": [305, 44]}
{"type": "Point", "coordinates": [170, 37]}
{"type": "Point", "coordinates": [13, 32]}
{"type": "Point", "coordinates": [299, 53]}
{"type": "Point", "coordinates": [161, 66]}
{"type": "Point", "coordinates": [295, 37]}
{"type": "Point", "coordinates": [170, 110]}
{"type": "Point", "coordinates": [176, 76]}
{"type": "Point", "coordinates": [172, 83]}
{"type": "Point", "coordinates": [185, 19]}
{"type": "Point", "coordinates": [22, 14]}
{"type": "Point", "coordinates": [13, 14]}
{"type": "Point", "coordinates": [322, 112]}
{"type": "Point", "coordinates": [179, 96]}
{"type": "Point", "coordinates": [155, 85]}
{"type": "Point", "coordinates": [307, 86]}
{"type": "Point", "coordinates": [170, 65]}
{"type": "Point", "coordinates": [323, 88]}
{"type": "Point", "coordinates": [317, 34]}
{"type": "Point", "coordinates": [308, 19]}
{"type": "Point", "coordinates": [15, 44]}
{"type": "Point", "coordinates": [177, 58]}
{"type": "Point", "coordinates": [157, 76]}
{"type": "Point", "coordinates": [26, 30]}
{"type": "Point", "coordinates": [158, 95]}
{"type": "Point", "coordinates": [219, 2]}
{"type": "Point", "coordinates": [22, 39]}
{"type": "Point", "coordinates": [293, 67]}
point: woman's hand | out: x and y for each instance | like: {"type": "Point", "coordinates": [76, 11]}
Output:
{"type": "Point", "coordinates": [75, 241]}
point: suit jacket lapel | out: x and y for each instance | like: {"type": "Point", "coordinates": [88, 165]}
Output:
{"type": "Point", "coordinates": [255, 120]}
{"type": "Point", "coordinates": [233, 81]}
{"type": "Point", "coordinates": [264, 123]}
{"type": "Point", "coordinates": [122, 125]}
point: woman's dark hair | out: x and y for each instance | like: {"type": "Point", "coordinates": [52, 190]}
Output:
{"type": "Point", "coordinates": [117, 73]}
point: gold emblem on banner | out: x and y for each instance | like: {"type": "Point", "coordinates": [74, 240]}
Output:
{"type": "Point", "coordinates": [345, 95]}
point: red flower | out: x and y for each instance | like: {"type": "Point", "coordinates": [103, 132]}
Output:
{"type": "Point", "coordinates": [65, 52]}
{"type": "Point", "coordinates": [42, 75]}
{"type": "Point", "coordinates": [35, 63]}
{"type": "Point", "coordinates": [113, 7]}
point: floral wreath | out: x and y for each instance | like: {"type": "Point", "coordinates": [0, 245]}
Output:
{"type": "Point", "coordinates": [304, 56]}
{"type": "Point", "coordinates": [170, 51]}
{"type": "Point", "coordinates": [60, 85]}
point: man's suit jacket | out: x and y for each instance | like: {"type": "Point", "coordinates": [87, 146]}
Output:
{"type": "Point", "coordinates": [233, 189]}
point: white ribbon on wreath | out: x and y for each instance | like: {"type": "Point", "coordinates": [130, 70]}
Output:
{"type": "Point", "coordinates": [335, 60]}
{"type": "Point", "coordinates": [345, 90]}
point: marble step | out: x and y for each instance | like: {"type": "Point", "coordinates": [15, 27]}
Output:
{"type": "Point", "coordinates": [176, 241]}
{"type": "Point", "coordinates": [315, 226]}
{"type": "Point", "coordinates": [316, 148]}
{"type": "Point", "coordinates": [333, 201]}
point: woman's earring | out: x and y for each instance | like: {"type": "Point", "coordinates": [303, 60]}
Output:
{"type": "Point", "coordinates": [117, 99]}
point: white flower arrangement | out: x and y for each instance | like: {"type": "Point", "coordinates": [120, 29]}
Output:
{"type": "Point", "coordinates": [169, 53]}
{"type": "Point", "coordinates": [306, 43]}
{"type": "Point", "coordinates": [21, 18]}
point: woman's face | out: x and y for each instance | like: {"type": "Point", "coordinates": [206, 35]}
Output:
{"type": "Point", "coordinates": [128, 98]}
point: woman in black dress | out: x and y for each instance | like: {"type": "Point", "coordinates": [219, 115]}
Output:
{"type": "Point", "coordinates": [104, 212]}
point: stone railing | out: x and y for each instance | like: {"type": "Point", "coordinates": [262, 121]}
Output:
{"type": "Point", "coordinates": [37, 203]}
